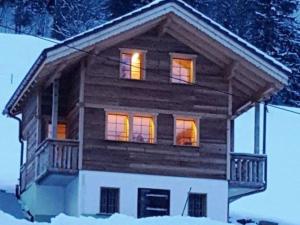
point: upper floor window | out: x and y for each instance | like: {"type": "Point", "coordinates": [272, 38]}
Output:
{"type": "Point", "coordinates": [186, 131]}
{"type": "Point", "coordinates": [132, 64]}
{"type": "Point", "coordinates": [117, 127]}
{"type": "Point", "coordinates": [143, 129]}
{"type": "Point", "coordinates": [130, 127]}
{"type": "Point", "coordinates": [182, 68]}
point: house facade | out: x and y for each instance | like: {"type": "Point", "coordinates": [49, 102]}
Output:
{"type": "Point", "coordinates": [137, 116]}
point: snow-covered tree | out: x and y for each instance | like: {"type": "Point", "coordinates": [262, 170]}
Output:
{"type": "Point", "coordinates": [71, 17]}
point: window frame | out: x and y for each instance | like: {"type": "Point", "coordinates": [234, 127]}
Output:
{"type": "Point", "coordinates": [118, 200]}
{"type": "Point", "coordinates": [197, 123]}
{"type": "Point", "coordinates": [191, 57]}
{"type": "Point", "coordinates": [143, 62]}
{"type": "Point", "coordinates": [204, 207]}
{"type": "Point", "coordinates": [130, 115]}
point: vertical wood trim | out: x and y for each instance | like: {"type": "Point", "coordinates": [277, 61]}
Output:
{"type": "Point", "coordinates": [229, 132]}
{"type": "Point", "coordinates": [81, 112]}
{"type": "Point", "coordinates": [39, 117]}
{"type": "Point", "coordinates": [256, 128]}
{"type": "Point", "coordinates": [54, 118]}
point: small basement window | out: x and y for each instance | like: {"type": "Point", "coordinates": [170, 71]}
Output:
{"type": "Point", "coordinates": [109, 202]}
{"type": "Point", "coordinates": [186, 132]}
{"type": "Point", "coordinates": [132, 64]}
{"type": "Point", "coordinates": [197, 205]}
{"type": "Point", "coordinates": [182, 68]}
{"type": "Point", "coordinates": [61, 131]}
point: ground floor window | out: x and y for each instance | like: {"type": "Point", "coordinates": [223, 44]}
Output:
{"type": "Point", "coordinates": [153, 202]}
{"type": "Point", "coordinates": [109, 202]}
{"type": "Point", "coordinates": [197, 205]}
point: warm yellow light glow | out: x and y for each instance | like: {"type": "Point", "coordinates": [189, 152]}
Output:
{"type": "Point", "coordinates": [186, 132]}
{"type": "Point", "coordinates": [182, 70]}
{"type": "Point", "coordinates": [136, 66]}
{"type": "Point", "coordinates": [117, 127]}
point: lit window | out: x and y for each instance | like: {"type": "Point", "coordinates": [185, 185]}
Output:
{"type": "Point", "coordinates": [182, 70]}
{"type": "Point", "coordinates": [131, 65]}
{"type": "Point", "coordinates": [117, 127]}
{"type": "Point", "coordinates": [61, 131]}
{"type": "Point", "coordinates": [143, 129]}
{"type": "Point", "coordinates": [186, 132]}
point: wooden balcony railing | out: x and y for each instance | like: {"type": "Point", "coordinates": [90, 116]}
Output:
{"type": "Point", "coordinates": [51, 156]}
{"type": "Point", "coordinates": [248, 170]}
{"type": "Point", "coordinates": [59, 156]}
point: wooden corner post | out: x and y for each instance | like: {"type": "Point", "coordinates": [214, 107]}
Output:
{"type": "Point", "coordinates": [54, 117]}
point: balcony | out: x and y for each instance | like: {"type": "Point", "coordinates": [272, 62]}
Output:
{"type": "Point", "coordinates": [55, 163]}
{"type": "Point", "coordinates": [248, 174]}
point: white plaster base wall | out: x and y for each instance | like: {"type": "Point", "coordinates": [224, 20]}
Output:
{"type": "Point", "coordinates": [91, 181]}
{"type": "Point", "coordinates": [47, 200]}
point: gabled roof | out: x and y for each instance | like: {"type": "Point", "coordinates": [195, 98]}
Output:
{"type": "Point", "coordinates": [144, 15]}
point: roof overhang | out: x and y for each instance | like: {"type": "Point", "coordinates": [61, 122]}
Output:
{"type": "Point", "coordinates": [151, 13]}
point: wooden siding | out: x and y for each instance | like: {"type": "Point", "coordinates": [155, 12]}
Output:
{"type": "Point", "coordinates": [104, 89]}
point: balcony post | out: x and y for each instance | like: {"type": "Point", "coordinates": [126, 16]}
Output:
{"type": "Point", "coordinates": [54, 117]}
{"type": "Point", "coordinates": [265, 129]}
{"type": "Point", "coordinates": [256, 128]}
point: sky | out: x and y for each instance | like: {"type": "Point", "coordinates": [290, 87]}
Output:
{"type": "Point", "coordinates": [281, 200]}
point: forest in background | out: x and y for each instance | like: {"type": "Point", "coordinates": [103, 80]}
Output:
{"type": "Point", "coordinates": [270, 25]}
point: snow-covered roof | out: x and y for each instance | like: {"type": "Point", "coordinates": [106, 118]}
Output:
{"type": "Point", "coordinates": [141, 16]}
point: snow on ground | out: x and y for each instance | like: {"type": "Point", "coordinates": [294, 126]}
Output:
{"type": "Point", "coordinates": [116, 219]}
{"type": "Point", "coordinates": [17, 54]}
{"type": "Point", "coordinates": [281, 200]}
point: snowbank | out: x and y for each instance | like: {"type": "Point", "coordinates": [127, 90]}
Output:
{"type": "Point", "coordinates": [116, 219]}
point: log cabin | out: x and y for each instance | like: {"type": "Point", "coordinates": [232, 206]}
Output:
{"type": "Point", "coordinates": [136, 116]}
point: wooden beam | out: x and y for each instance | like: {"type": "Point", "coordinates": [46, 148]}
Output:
{"type": "Point", "coordinates": [39, 116]}
{"type": "Point", "coordinates": [162, 28]}
{"type": "Point", "coordinates": [54, 116]}
{"type": "Point", "coordinates": [56, 76]}
{"type": "Point", "coordinates": [229, 144]}
{"type": "Point", "coordinates": [231, 70]}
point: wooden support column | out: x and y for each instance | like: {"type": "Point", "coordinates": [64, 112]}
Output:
{"type": "Point", "coordinates": [54, 117]}
{"type": "Point", "coordinates": [81, 111]}
{"type": "Point", "coordinates": [264, 151]}
{"type": "Point", "coordinates": [232, 135]}
{"type": "Point", "coordinates": [39, 116]}
{"type": "Point", "coordinates": [256, 128]}
{"type": "Point", "coordinates": [229, 129]}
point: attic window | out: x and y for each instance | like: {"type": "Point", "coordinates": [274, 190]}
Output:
{"type": "Point", "coordinates": [132, 64]}
{"type": "Point", "coordinates": [182, 68]}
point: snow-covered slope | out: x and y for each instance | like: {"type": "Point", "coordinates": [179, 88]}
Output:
{"type": "Point", "coordinates": [116, 219]}
{"type": "Point", "coordinates": [17, 54]}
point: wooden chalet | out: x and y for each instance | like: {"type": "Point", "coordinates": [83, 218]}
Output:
{"type": "Point", "coordinates": [137, 115]}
